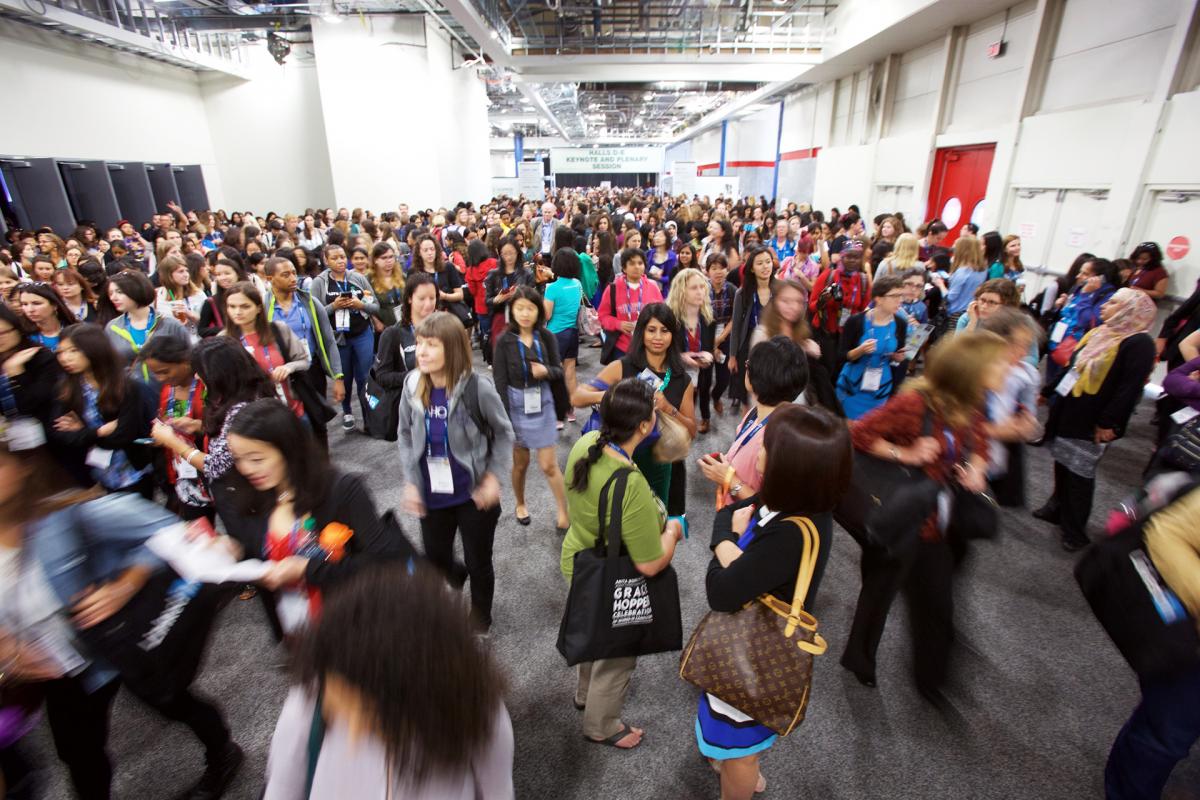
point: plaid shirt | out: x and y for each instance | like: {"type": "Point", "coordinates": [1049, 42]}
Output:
{"type": "Point", "coordinates": [722, 303]}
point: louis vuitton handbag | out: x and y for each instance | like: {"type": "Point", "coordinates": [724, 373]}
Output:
{"type": "Point", "coordinates": [759, 659]}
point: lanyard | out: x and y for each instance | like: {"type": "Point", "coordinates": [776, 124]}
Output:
{"type": "Point", "coordinates": [746, 537]}
{"type": "Point", "coordinates": [693, 339]}
{"type": "Point", "coordinates": [173, 409]}
{"type": "Point", "coordinates": [537, 345]}
{"type": "Point", "coordinates": [265, 349]}
{"type": "Point", "coordinates": [445, 431]}
{"type": "Point", "coordinates": [149, 329]}
{"type": "Point", "coordinates": [629, 311]}
{"type": "Point", "coordinates": [81, 314]}
{"type": "Point", "coordinates": [342, 286]}
{"type": "Point", "coordinates": [750, 428]}
{"type": "Point", "coordinates": [619, 449]}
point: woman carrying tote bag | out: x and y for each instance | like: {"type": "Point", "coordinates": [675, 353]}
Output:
{"type": "Point", "coordinates": [758, 550]}
{"type": "Point", "coordinates": [648, 537]}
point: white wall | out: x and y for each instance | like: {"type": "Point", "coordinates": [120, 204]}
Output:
{"type": "Point", "coordinates": [68, 99]}
{"type": "Point", "coordinates": [268, 134]}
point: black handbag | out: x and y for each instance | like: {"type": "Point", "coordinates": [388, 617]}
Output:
{"type": "Point", "coordinates": [1139, 612]}
{"type": "Point", "coordinates": [614, 611]}
{"type": "Point", "coordinates": [156, 640]}
{"type": "Point", "coordinates": [887, 502]}
{"type": "Point", "coordinates": [381, 411]}
{"type": "Point", "coordinates": [1181, 450]}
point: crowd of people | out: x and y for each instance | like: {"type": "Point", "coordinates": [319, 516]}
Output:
{"type": "Point", "coordinates": [181, 376]}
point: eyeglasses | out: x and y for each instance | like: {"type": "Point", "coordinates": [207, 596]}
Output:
{"type": "Point", "coordinates": [988, 302]}
{"type": "Point", "coordinates": [893, 296]}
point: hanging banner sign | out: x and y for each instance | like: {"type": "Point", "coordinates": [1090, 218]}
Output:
{"type": "Point", "coordinates": [606, 159]}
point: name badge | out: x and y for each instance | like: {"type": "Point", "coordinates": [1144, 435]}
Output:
{"type": "Point", "coordinates": [441, 479]}
{"type": "Point", "coordinates": [872, 378]}
{"type": "Point", "coordinates": [1067, 383]}
{"type": "Point", "coordinates": [341, 319]}
{"type": "Point", "coordinates": [843, 316]}
{"type": "Point", "coordinates": [647, 377]}
{"type": "Point", "coordinates": [533, 399]}
{"type": "Point", "coordinates": [1058, 332]}
{"type": "Point", "coordinates": [184, 470]}
{"type": "Point", "coordinates": [292, 607]}
{"type": "Point", "coordinates": [99, 458]}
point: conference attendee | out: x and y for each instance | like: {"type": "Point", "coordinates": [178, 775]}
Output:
{"type": "Point", "coordinates": [308, 320]}
{"type": "Point", "coordinates": [387, 279]}
{"type": "Point", "coordinates": [480, 262]}
{"type": "Point", "coordinates": [29, 373]}
{"type": "Point", "coordinates": [500, 284]}
{"type": "Point", "coordinates": [662, 259]}
{"type": "Point", "coordinates": [397, 354]}
{"type": "Point", "coordinates": [777, 374]}
{"type": "Point", "coordinates": [45, 312]}
{"type": "Point", "coordinates": [562, 299]}
{"type": "Point", "coordinates": [805, 462]}
{"type": "Point", "coordinates": [77, 294]}
{"type": "Point", "coordinates": [133, 298]}
{"type": "Point", "coordinates": [73, 576]}
{"type": "Point", "coordinates": [453, 445]}
{"type": "Point", "coordinates": [872, 344]}
{"type": "Point", "coordinates": [350, 301]}
{"type": "Point", "coordinates": [277, 351]}
{"type": "Point", "coordinates": [341, 732]}
{"type": "Point", "coordinates": [1096, 398]}
{"type": "Point", "coordinates": [212, 314]}
{"type": "Point", "coordinates": [428, 258]}
{"type": "Point", "coordinates": [1080, 308]}
{"type": "Point", "coordinates": [748, 305]}
{"type": "Point", "coordinates": [949, 397]}
{"type": "Point", "coordinates": [627, 417]}
{"type": "Point", "coordinates": [93, 272]}
{"type": "Point", "coordinates": [782, 242]}
{"type": "Point", "coordinates": [1012, 418]}
{"type": "Point", "coordinates": [837, 294]}
{"type": "Point", "coordinates": [655, 357]}
{"type": "Point", "coordinates": [543, 230]}
{"type": "Point", "coordinates": [526, 362]}
{"type": "Point", "coordinates": [101, 414]}
{"type": "Point", "coordinates": [689, 301]}
{"type": "Point", "coordinates": [623, 300]}
{"type": "Point", "coordinates": [967, 272]}
{"type": "Point", "coordinates": [177, 296]}
{"type": "Point", "coordinates": [1149, 274]}
{"type": "Point", "coordinates": [903, 257]}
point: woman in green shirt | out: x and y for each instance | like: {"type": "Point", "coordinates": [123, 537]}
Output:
{"type": "Point", "coordinates": [626, 418]}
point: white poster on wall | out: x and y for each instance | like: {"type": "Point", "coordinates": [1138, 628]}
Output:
{"type": "Point", "coordinates": [683, 178]}
{"type": "Point", "coordinates": [505, 186]}
{"type": "Point", "coordinates": [715, 186]}
{"type": "Point", "coordinates": [592, 160]}
{"type": "Point", "coordinates": [531, 179]}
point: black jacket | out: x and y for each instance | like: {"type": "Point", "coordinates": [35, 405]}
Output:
{"type": "Point", "coordinates": [1178, 325]}
{"type": "Point", "coordinates": [1111, 407]}
{"type": "Point", "coordinates": [34, 388]}
{"type": "Point", "coordinates": [769, 563]}
{"type": "Point", "coordinates": [349, 503]}
{"type": "Point", "coordinates": [134, 417]}
{"type": "Point", "coordinates": [493, 283]}
{"type": "Point", "coordinates": [397, 355]}
{"type": "Point", "coordinates": [508, 369]}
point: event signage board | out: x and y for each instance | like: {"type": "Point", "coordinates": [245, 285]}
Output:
{"type": "Point", "coordinates": [594, 160]}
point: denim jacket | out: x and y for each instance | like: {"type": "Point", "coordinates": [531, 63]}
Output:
{"type": "Point", "coordinates": [90, 543]}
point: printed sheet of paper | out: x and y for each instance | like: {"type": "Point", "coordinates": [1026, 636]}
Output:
{"type": "Point", "coordinates": [202, 559]}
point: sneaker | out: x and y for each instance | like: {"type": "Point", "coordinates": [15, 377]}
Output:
{"type": "Point", "coordinates": [218, 774]}
{"type": "Point", "coordinates": [571, 417]}
{"type": "Point", "coordinates": [347, 422]}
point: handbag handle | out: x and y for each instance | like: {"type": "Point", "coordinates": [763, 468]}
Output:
{"type": "Point", "coordinates": [808, 565]}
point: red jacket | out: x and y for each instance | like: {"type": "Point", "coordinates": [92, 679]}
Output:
{"type": "Point", "coordinates": [475, 276]}
{"type": "Point", "coordinates": [856, 296]}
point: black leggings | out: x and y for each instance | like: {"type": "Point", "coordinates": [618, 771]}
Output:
{"type": "Point", "coordinates": [478, 529]}
{"type": "Point", "coordinates": [707, 391]}
{"type": "Point", "coordinates": [79, 725]}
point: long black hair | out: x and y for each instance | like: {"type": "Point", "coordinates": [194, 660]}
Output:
{"type": "Point", "coordinates": [637, 346]}
{"type": "Point", "coordinates": [406, 645]}
{"type": "Point", "coordinates": [112, 380]}
{"type": "Point", "coordinates": [65, 316]}
{"type": "Point", "coordinates": [308, 469]}
{"type": "Point", "coordinates": [624, 407]}
{"type": "Point", "coordinates": [231, 375]}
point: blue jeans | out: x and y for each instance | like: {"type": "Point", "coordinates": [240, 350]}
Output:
{"type": "Point", "coordinates": [357, 354]}
{"type": "Point", "coordinates": [1158, 736]}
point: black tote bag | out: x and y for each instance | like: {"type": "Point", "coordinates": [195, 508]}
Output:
{"type": "Point", "coordinates": [1136, 608]}
{"type": "Point", "coordinates": [381, 411]}
{"type": "Point", "coordinates": [614, 611]}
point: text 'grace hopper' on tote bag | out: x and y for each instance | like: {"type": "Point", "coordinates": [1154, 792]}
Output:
{"type": "Point", "coordinates": [613, 610]}
{"type": "Point", "coordinates": [759, 659]}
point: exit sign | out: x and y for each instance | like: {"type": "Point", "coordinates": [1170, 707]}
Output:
{"type": "Point", "coordinates": [996, 49]}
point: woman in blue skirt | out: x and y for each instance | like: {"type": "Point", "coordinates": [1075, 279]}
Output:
{"type": "Point", "coordinates": [805, 463]}
{"type": "Point", "coordinates": [525, 362]}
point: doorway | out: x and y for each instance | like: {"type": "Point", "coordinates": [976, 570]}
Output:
{"type": "Point", "coordinates": [958, 187]}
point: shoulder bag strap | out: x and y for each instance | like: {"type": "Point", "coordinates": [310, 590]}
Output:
{"type": "Point", "coordinates": [620, 478]}
{"type": "Point", "coordinates": [808, 565]}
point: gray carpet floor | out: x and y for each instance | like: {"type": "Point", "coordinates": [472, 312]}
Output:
{"type": "Point", "coordinates": [1038, 690]}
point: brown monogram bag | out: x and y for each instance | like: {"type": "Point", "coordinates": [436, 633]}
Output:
{"type": "Point", "coordinates": [759, 659]}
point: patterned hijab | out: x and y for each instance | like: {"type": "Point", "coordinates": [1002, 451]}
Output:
{"type": "Point", "coordinates": [1134, 313]}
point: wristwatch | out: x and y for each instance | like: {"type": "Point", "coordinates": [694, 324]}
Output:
{"type": "Point", "coordinates": [735, 490]}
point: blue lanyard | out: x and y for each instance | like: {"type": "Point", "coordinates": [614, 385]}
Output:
{"type": "Point", "coordinates": [537, 346]}
{"type": "Point", "coordinates": [149, 327]}
{"type": "Point", "coordinates": [747, 432]}
{"type": "Point", "coordinates": [629, 312]}
{"type": "Point", "coordinates": [342, 286]}
{"type": "Point", "coordinates": [445, 431]}
{"type": "Point", "coordinates": [266, 352]}
{"type": "Point", "coordinates": [619, 449]}
{"type": "Point", "coordinates": [748, 536]}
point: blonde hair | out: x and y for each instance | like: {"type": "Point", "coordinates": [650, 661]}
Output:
{"type": "Point", "coordinates": [968, 252]}
{"type": "Point", "coordinates": [675, 297]}
{"type": "Point", "coordinates": [907, 253]}
{"type": "Point", "coordinates": [955, 368]}
{"type": "Point", "coordinates": [772, 322]}
{"type": "Point", "coordinates": [456, 345]}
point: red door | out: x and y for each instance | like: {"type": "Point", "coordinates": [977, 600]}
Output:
{"type": "Point", "coordinates": [959, 185]}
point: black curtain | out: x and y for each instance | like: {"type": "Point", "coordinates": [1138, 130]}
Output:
{"type": "Point", "coordinates": [624, 179]}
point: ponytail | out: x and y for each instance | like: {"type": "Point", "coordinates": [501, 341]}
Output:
{"type": "Point", "coordinates": [579, 475]}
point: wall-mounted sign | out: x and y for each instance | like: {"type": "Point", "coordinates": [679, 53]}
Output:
{"type": "Point", "coordinates": [531, 179]}
{"type": "Point", "coordinates": [606, 159]}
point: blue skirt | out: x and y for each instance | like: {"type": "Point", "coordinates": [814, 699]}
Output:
{"type": "Point", "coordinates": [723, 737]}
{"type": "Point", "coordinates": [533, 431]}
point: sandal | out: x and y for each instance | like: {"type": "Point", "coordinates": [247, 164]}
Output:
{"type": "Point", "coordinates": [611, 741]}
{"type": "Point", "coordinates": [578, 705]}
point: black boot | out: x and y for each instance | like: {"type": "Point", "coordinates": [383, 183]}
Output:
{"type": "Point", "coordinates": [1049, 512]}
{"type": "Point", "coordinates": [218, 774]}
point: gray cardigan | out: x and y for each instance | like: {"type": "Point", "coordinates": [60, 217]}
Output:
{"type": "Point", "coordinates": [118, 334]}
{"type": "Point", "coordinates": [468, 445]}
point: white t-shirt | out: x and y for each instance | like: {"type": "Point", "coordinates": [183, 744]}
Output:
{"type": "Point", "coordinates": [30, 610]}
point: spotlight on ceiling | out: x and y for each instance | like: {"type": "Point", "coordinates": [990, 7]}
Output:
{"type": "Point", "coordinates": [278, 47]}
